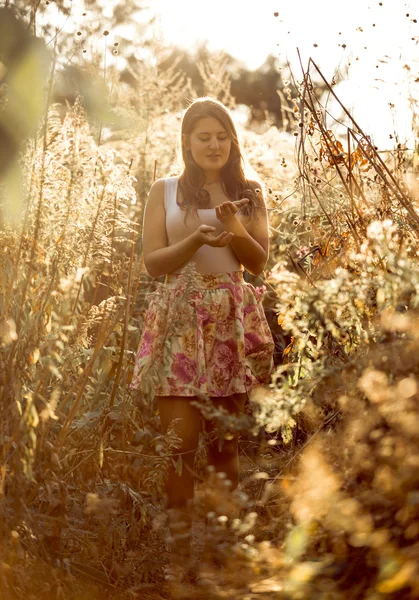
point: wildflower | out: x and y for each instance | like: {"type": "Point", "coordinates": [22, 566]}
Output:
{"type": "Point", "coordinates": [302, 251]}
{"type": "Point", "coordinates": [377, 229]}
{"type": "Point", "coordinates": [8, 333]}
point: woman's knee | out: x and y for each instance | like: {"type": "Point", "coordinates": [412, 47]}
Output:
{"type": "Point", "coordinates": [179, 417]}
{"type": "Point", "coordinates": [188, 441]}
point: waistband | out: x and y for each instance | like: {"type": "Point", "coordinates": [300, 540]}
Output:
{"type": "Point", "coordinates": [205, 280]}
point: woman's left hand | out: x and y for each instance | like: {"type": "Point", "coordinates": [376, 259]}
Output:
{"type": "Point", "coordinates": [226, 212]}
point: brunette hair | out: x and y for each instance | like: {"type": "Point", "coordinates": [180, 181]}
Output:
{"type": "Point", "coordinates": [233, 179]}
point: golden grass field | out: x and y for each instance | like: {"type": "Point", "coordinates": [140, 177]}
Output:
{"type": "Point", "coordinates": [328, 505]}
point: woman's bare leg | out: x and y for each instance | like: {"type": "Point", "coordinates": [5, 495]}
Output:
{"type": "Point", "coordinates": [180, 488]}
{"type": "Point", "coordinates": [226, 459]}
{"type": "Point", "coordinates": [188, 425]}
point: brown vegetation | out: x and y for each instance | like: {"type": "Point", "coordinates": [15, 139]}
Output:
{"type": "Point", "coordinates": [328, 501]}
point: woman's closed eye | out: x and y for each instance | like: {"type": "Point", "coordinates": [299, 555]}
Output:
{"type": "Point", "coordinates": [220, 139]}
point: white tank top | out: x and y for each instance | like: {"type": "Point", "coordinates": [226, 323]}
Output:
{"type": "Point", "coordinates": [207, 259]}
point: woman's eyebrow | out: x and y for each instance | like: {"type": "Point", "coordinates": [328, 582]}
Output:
{"type": "Point", "coordinates": [209, 132]}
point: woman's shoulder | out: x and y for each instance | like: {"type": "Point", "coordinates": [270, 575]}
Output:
{"type": "Point", "coordinates": [159, 184]}
{"type": "Point", "coordinates": [159, 188]}
{"type": "Point", "coordinates": [156, 193]}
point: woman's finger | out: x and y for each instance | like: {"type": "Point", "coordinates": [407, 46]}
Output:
{"type": "Point", "coordinates": [241, 202]}
{"type": "Point", "coordinates": [207, 228]}
{"type": "Point", "coordinates": [226, 240]}
{"type": "Point", "coordinates": [226, 209]}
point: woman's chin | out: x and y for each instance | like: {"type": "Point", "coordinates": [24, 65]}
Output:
{"type": "Point", "coordinates": [213, 164]}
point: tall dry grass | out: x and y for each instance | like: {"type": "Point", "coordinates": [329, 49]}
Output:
{"type": "Point", "coordinates": [327, 506]}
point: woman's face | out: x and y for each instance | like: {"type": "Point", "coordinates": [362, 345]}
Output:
{"type": "Point", "coordinates": [209, 144]}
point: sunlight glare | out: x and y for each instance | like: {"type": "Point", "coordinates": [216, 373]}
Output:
{"type": "Point", "coordinates": [369, 41]}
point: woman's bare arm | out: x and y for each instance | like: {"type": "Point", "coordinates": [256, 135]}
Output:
{"type": "Point", "coordinates": [251, 239]}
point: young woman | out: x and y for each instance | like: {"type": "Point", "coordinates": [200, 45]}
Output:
{"type": "Point", "coordinates": [205, 333]}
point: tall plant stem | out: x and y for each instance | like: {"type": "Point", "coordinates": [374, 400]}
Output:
{"type": "Point", "coordinates": [125, 331]}
{"type": "Point", "coordinates": [86, 253]}
{"type": "Point", "coordinates": [395, 188]}
{"type": "Point", "coordinates": [81, 381]}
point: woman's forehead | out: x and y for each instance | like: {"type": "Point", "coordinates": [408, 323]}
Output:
{"type": "Point", "coordinates": [209, 125]}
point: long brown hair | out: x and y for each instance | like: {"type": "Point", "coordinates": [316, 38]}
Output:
{"type": "Point", "coordinates": [233, 179]}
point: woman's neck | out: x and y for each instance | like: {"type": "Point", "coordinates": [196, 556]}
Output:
{"type": "Point", "coordinates": [212, 178]}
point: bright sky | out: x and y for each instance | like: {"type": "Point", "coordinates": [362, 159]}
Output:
{"type": "Point", "coordinates": [372, 39]}
{"type": "Point", "coordinates": [251, 31]}
{"type": "Point", "coordinates": [373, 31]}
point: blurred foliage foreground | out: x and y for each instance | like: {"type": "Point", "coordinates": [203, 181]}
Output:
{"type": "Point", "coordinates": [328, 504]}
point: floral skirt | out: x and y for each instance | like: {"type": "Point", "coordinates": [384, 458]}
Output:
{"type": "Point", "coordinates": [204, 334]}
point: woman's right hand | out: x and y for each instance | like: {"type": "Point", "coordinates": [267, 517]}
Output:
{"type": "Point", "coordinates": [205, 236]}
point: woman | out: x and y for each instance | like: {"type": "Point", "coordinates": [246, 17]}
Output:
{"type": "Point", "coordinates": [205, 333]}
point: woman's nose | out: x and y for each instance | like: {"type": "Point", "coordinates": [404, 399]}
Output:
{"type": "Point", "coordinates": [214, 143]}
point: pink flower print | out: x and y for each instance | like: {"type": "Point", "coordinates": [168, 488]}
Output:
{"type": "Point", "coordinates": [249, 309]}
{"type": "Point", "coordinates": [225, 329]}
{"type": "Point", "coordinates": [220, 381]}
{"type": "Point", "coordinates": [252, 321]}
{"type": "Point", "coordinates": [252, 342]}
{"type": "Point", "coordinates": [172, 382]}
{"type": "Point", "coordinates": [204, 315]}
{"type": "Point", "coordinates": [203, 379]}
{"type": "Point", "coordinates": [238, 294]}
{"type": "Point", "coordinates": [236, 277]}
{"type": "Point", "coordinates": [225, 353]}
{"type": "Point", "coordinates": [183, 367]}
{"type": "Point", "coordinates": [235, 290]}
{"type": "Point", "coordinates": [146, 344]}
